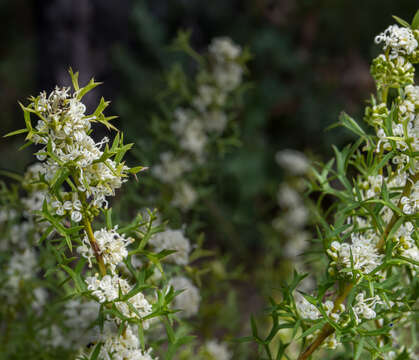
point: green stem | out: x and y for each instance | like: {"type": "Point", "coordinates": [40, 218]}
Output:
{"type": "Point", "coordinates": [328, 330]}
{"type": "Point", "coordinates": [94, 245]}
{"type": "Point", "coordinates": [89, 230]}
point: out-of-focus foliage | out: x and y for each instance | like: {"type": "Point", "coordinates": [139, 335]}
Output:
{"type": "Point", "coordinates": [309, 62]}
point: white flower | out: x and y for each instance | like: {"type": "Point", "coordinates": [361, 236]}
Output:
{"type": "Point", "coordinates": [170, 168]}
{"type": "Point", "coordinates": [409, 205]}
{"type": "Point", "coordinates": [364, 253]}
{"type": "Point", "coordinates": [288, 197]}
{"type": "Point", "coordinates": [183, 117]}
{"type": "Point", "coordinates": [21, 268]}
{"type": "Point", "coordinates": [7, 215]}
{"type": "Point", "coordinates": [399, 39]}
{"type": "Point", "coordinates": [228, 76]}
{"type": "Point", "coordinates": [297, 243]}
{"type": "Point", "coordinates": [185, 196]}
{"type": "Point", "coordinates": [112, 247]}
{"type": "Point", "coordinates": [208, 96]}
{"type": "Point", "coordinates": [40, 297]}
{"type": "Point", "coordinates": [107, 290]}
{"type": "Point", "coordinates": [412, 94]}
{"type": "Point", "coordinates": [65, 128]}
{"type": "Point", "coordinates": [78, 318]}
{"type": "Point", "coordinates": [34, 201]}
{"type": "Point", "coordinates": [307, 310]}
{"type": "Point", "coordinates": [217, 351]}
{"type": "Point", "coordinates": [172, 240]}
{"type": "Point", "coordinates": [215, 120]}
{"type": "Point", "coordinates": [365, 307]}
{"type": "Point", "coordinates": [122, 347]}
{"type": "Point", "coordinates": [223, 49]}
{"type": "Point", "coordinates": [194, 138]}
{"type": "Point", "coordinates": [187, 301]}
{"type": "Point", "coordinates": [293, 161]}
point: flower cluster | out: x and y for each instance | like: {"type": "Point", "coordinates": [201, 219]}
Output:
{"type": "Point", "coordinates": [293, 218]}
{"type": "Point", "coordinates": [172, 240]}
{"type": "Point", "coordinates": [187, 301]}
{"type": "Point", "coordinates": [112, 246]}
{"type": "Point", "coordinates": [365, 307]}
{"type": "Point", "coordinates": [111, 288]}
{"type": "Point", "coordinates": [205, 116]}
{"type": "Point", "coordinates": [66, 190]}
{"type": "Point", "coordinates": [215, 350]}
{"type": "Point", "coordinates": [362, 254]}
{"type": "Point", "coordinates": [124, 346]}
{"type": "Point", "coordinates": [310, 311]}
{"type": "Point", "coordinates": [64, 131]}
{"type": "Point", "coordinates": [398, 40]}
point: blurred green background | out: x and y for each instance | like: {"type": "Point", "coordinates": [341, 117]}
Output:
{"type": "Point", "coordinates": [310, 61]}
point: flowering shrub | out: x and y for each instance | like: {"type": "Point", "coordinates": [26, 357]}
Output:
{"type": "Point", "coordinates": [110, 300]}
{"type": "Point", "coordinates": [124, 285]}
{"type": "Point", "coordinates": [365, 302]}
{"type": "Point", "coordinates": [74, 284]}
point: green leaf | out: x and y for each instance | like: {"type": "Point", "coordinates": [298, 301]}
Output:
{"type": "Point", "coordinates": [254, 329]}
{"type": "Point", "coordinates": [359, 346]}
{"type": "Point", "coordinates": [108, 216]}
{"type": "Point", "coordinates": [60, 176]}
{"type": "Point", "coordinates": [16, 132]}
{"type": "Point", "coordinates": [102, 106]}
{"type": "Point", "coordinates": [169, 329]}
{"type": "Point", "coordinates": [137, 169]}
{"type": "Point", "coordinates": [409, 260]}
{"type": "Point", "coordinates": [76, 278]}
{"type": "Point", "coordinates": [74, 78]}
{"type": "Point", "coordinates": [11, 175]}
{"type": "Point", "coordinates": [312, 329]}
{"type": "Point", "coordinates": [96, 352]}
{"type": "Point", "coordinates": [415, 21]}
{"type": "Point", "coordinates": [384, 161]}
{"type": "Point", "coordinates": [141, 336]}
{"type": "Point", "coordinates": [401, 21]}
{"type": "Point", "coordinates": [90, 86]}
{"type": "Point", "coordinates": [122, 152]}
{"type": "Point", "coordinates": [58, 226]}
{"type": "Point", "coordinates": [351, 124]}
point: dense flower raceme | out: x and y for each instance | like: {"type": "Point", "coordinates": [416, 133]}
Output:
{"type": "Point", "coordinates": [198, 122]}
{"type": "Point", "coordinates": [63, 129]}
{"type": "Point", "coordinates": [172, 240]}
{"type": "Point", "coordinates": [397, 130]}
{"type": "Point", "coordinates": [66, 189]}
{"type": "Point", "coordinates": [372, 241]}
